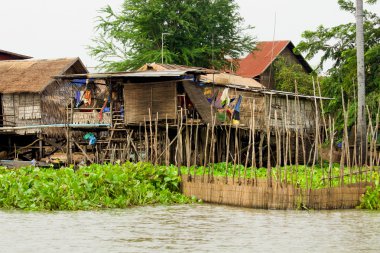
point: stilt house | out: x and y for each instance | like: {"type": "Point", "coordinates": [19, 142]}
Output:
{"type": "Point", "coordinates": [30, 96]}
{"type": "Point", "coordinates": [151, 105]}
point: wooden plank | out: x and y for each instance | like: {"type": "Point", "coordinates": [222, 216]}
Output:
{"type": "Point", "coordinates": [199, 101]}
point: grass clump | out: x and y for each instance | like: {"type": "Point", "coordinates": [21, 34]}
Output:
{"type": "Point", "coordinates": [90, 187]}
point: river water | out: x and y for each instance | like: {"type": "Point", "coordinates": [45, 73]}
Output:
{"type": "Point", "coordinates": [190, 228]}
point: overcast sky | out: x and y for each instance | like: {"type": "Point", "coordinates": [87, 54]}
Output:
{"type": "Point", "coordinates": [63, 28]}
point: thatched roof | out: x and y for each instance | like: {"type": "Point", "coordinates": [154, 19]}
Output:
{"type": "Point", "coordinates": [33, 75]}
{"type": "Point", "coordinates": [213, 76]}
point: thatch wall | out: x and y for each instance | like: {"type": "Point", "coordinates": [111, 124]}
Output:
{"type": "Point", "coordinates": [160, 97]}
{"type": "Point", "coordinates": [23, 109]}
{"type": "Point", "coordinates": [278, 196]}
{"type": "Point", "coordinates": [53, 102]}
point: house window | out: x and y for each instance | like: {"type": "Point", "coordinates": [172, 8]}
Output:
{"type": "Point", "coordinates": [29, 106]}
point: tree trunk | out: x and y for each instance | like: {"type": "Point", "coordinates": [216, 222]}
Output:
{"type": "Point", "coordinates": [362, 126]}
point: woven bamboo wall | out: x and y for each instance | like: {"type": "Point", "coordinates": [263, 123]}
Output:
{"type": "Point", "coordinates": [282, 109]}
{"type": "Point", "coordinates": [159, 97]}
{"type": "Point", "coordinates": [287, 116]}
{"type": "Point", "coordinates": [246, 107]}
{"type": "Point", "coordinates": [22, 109]}
{"type": "Point", "coordinates": [91, 118]}
{"type": "Point", "coordinates": [276, 197]}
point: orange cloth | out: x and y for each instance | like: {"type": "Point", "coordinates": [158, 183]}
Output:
{"type": "Point", "coordinates": [87, 97]}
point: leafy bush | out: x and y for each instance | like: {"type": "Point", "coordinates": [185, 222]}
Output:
{"type": "Point", "coordinates": [371, 199]}
{"type": "Point", "coordinates": [92, 187]}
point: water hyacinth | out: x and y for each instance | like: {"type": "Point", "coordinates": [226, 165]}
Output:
{"type": "Point", "coordinates": [91, 187]}
{"type": "Point", "coordinates": [371, 199]}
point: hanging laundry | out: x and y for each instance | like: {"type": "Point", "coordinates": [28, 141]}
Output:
{"type": "Point", "coordinates": [101, 110]}
{"type": "Point", "coordinates": [81, 82]}
{"type": "Point", "coordinates": [122, 111]}
{"type": "Point", "coordinates": [78, 98]}
{"type": "Point", "coordinates": [224, 98]}
{"type": "Point", "coordinates": [236, 115]}
{"type": "Point", "coordinates": [87, 97]}
{"type": "Point", "coordinates": [91, 138]}
{"type": "Point", "coordinates": [218, 101]}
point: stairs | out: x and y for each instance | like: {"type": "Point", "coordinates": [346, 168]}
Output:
{"type": "Point", "coordinates": [117, 143]}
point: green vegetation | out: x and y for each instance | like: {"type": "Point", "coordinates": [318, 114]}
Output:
{"type": "Point", "coordinates": [196, 32]}
{"type": "Point", "coordinates": [337, 45]}
{"type": "Point", "coordinates": [287, 74]}
{"type": "Point", "coordinates": [119, 186]}
{"type": "Point", "coordinates": [91, 187]}
{"type": "Point", "coordinates": [371, 199]}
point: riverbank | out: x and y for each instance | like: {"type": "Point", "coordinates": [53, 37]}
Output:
{"type": "Point", "coordinates": [90, 187]}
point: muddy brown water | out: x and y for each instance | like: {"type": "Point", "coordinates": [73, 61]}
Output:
{"type": "Point", "coordinates": [190, 228]}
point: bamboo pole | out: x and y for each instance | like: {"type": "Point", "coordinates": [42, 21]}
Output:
{"type": "Point", "coordinates": [205, 152]}
{"type": "Point", "coordinates": [167, 156]}
{"type": "Point", "coordinates": [286, 143]}
{"type": "Point", "coordinates": [297, 141]}
{"type": "Point", "coordinates": [187, 148]}
{"type": "Point", "coordinates": [146, 142]}
{"type": "Point", "coordinates": [316, 137]}
{"type": "Point", "coordinates": [332, 132]}
{"type": "Point", "coordinates": [150, 135]}
{"type": "Point", "coordinates": [156, 140]}
{"type": "Point", "coordinates": [269, 166]}
{"type": "Point", "coordinates": [180, 145]}
{"type": "Point", "coordinates": [253, 140]}
{"type": "Point", "coordinates": [212, 153]}
{"type": "Point", "coordinates": [228, 150]}
{"type": "Point", "coordinates": [322, 109]}
{"type": "Point", "coordinates": [236, 151]}
{"type": "Point", "coordinates": [301, 127]}
{"type": "Point", "coordinates": [140, 142]}
{"type": "Point", "coordinates": [248, 148]}
{"type": "Point", "coordinates": [261, 143]}
{"type": "Point", "coordinates": [196, 151]}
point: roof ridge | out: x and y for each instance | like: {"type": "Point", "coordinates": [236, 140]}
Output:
{"type": "Point", "coordinates": [42, 59]}
{"type": "Point", "coordinates": [15, 54]}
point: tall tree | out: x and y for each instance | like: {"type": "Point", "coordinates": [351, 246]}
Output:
{"type": "Point", "coordinates": [338, 45]}
{"type": "Point", "coordinates": [197, 32]}
{"type": "Point", "coordinates": [362, 123]}
{"type": "Point", "coordinates": [288, 74]}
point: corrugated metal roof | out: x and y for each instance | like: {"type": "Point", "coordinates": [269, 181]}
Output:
{"type": "Point", "coordinates": [166, 73]}
{"type": "Point", "coordinates": [259, 60]}
{"type": "Point", "coordinates": [278, 92]}
{"type": "Point", "coordinates": [207, 75]}
{"type": "Point", "coordinates": [164, 67]}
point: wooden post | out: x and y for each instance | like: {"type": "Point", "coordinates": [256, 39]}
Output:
{"type": "Point", "coordinates": [40, 146]}
{"type": "Point", "coordinates": [269, 166]}
{"type": "Point", "coordinates": [111, 103]}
